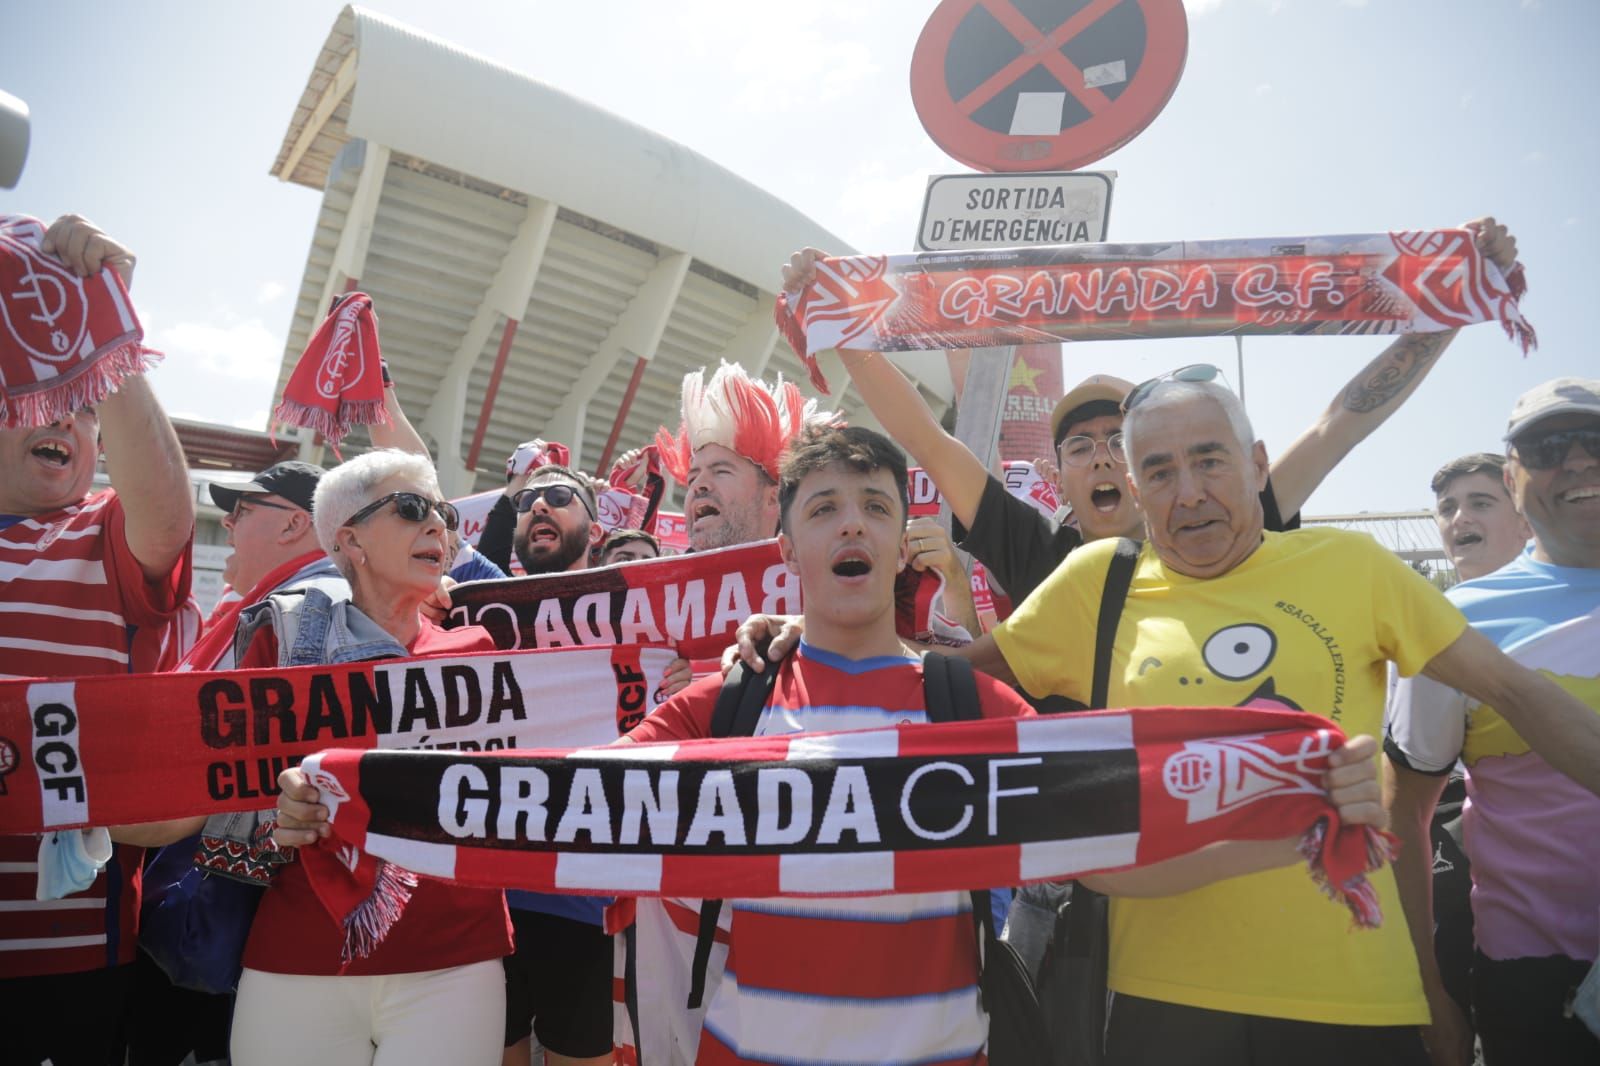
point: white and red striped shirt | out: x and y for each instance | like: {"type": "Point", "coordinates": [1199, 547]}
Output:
{"type": "Point", "coordinates": [76, 603]}
{"type": "Point", "coordinates": [880, 979]}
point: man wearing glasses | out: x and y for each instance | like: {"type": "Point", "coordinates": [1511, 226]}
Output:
{"type": "Point", "coordinates": [268, 522]}
{"type": "Point", "coordinates": [556, 523]}
{"type": "Point", "coordinates": [1529, 832]}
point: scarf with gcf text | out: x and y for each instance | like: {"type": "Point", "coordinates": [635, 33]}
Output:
{"type": "Point", "coordinates": [1410, 281]}
{"type": "Point", "coordinates": [914, 808]}
{"type": "Point", "coordinates": [129, 749]}
{"type": "Point", "coordinates": [67, 342]}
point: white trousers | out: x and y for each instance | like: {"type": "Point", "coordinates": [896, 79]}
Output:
{"type": "Point", "coordinates": [408, 1019]}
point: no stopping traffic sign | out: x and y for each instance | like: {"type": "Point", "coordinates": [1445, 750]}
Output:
{"type": "Point", "coordinates": [1013, 85]}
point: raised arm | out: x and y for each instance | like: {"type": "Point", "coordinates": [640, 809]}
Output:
{"type": "Point", "coordinates": [1563, 731]}
{"type": "Point", "coordinates": [1374, 394]}
{"type": "Point", "coordinates": [143, 457]}
{"type": "Point", "coordinates": [399, 432]}
{"type": "Point", "coordinates": [897, 405]}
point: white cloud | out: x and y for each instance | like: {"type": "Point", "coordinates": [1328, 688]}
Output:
{"type": "Point", "coordinates": [1264, 89]}
{"type": "Point", "coordinates": [242, 349]}
{"type": "Point", "coordinates": [1201, 7]}
{"type": "Point", "coordinates": [255, 420]}
{"type": "Point", "coordinates": [1535, 156]}
{"type": "Point", "coordinates": [270, 291]}
{"type": "Point", "coordinates": [1572, 220]}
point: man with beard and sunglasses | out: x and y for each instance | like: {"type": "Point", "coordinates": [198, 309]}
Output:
{"type": "Point", "coordinates": [1019, 546]}
{"type": "Point", "coordinates": [1529, 831]}
{"type": "Point", "coordinates": [557, 527]}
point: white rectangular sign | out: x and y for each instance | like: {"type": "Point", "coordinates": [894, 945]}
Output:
{"type": "Point", "coordinates": [1012, 210]}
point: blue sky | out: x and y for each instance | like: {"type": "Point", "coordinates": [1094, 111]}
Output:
{"type": "Point", "coordinates": [160, 120]}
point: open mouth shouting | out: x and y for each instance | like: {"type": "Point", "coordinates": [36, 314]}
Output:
{"type": "Point", "coordinates": [1105, 497]}
{"type": "Point", "coordinates": [704, 508]}
{"type": "Point", "coordinates": [1467, 540]}
{"type": "Point", "coordinates": [852, 564]}
{"type": "Point", "coordinates": [53, 452]}
{"type": "Point", "coordinates": [543, 531]}
{"type": "Point", "coordinates": [433, 557]}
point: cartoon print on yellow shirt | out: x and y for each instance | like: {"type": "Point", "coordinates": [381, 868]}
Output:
{"type": "Point", "coordinates": [1236, 655]}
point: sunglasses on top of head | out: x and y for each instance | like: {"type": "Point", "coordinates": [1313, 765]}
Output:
{"type": "Point", "coordinates": [1547, 451]}
{"type": "Point", "coordinates": [1194, 372]}
{"type": "Point", "coordinates": [556, 495]}
{"type": "Point", "coordinates": [412, 507]}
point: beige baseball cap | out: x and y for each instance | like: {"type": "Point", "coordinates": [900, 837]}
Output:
{"type": "Point", "coordinates": [1559, 396]}
{"type": "Point", "coordinates": [1090, 389]}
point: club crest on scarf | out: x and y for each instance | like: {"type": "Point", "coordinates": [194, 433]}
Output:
{"type": "Point", "coordinates": [747, 417]}
{"type": "Point", "coordinates": [338, 382]}
{"type": "Point", "coordinates": [68, 341]}
{"type": "Point", "coordinates": [1217, 777]}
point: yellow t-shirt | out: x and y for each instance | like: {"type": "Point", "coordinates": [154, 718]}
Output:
{"type": "Point", "coordinates": [1308, 621]}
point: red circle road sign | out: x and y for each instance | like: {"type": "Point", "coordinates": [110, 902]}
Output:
{"type": "Point", "coordinates": [1007, 85]}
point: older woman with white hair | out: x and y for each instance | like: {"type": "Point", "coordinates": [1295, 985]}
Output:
{"type": "Point", "coordinates": [433, 990]}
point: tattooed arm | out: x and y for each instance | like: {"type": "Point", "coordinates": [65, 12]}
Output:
{"type": "Point", "coordinates": [1373, 394]}
{"type": "Point", "coordinates": [1361, 407]}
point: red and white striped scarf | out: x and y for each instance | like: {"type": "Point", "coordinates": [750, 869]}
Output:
{"type": "Point", "coordinates": [1415, 280]}
{"type": "Point", "coordinates": [68, 342]}
{"type": "Point", "coordinates": [914, 808]}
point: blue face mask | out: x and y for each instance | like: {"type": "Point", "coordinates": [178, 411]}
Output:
{"type": "Point", "coordinates": [70, 860]}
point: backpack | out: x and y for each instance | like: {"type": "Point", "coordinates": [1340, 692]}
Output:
{"type": "Point", "coordinates": [1018, 1035]}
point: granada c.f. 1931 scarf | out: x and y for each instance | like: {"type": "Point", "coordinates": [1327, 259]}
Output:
{"type": "Point", "coordinates": [68, 341]}
{"type": "Point", "coordinates": [914, 808]}
{"type": "Point", "coordinates": [1415, 280]}
{"type": "Point", "coordinates": [338, 382]}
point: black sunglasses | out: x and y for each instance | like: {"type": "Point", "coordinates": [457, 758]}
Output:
{"type": "Point", "coordinates": [1549, 450]}
{"type": "Point", "coordinates": [412, 507]}
{"type": "Point", "coordinates": [555, 495]}
{"type": "Point", "coordinates": [1194, 372]}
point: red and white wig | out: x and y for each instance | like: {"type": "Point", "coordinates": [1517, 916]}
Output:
{"type": "Point", "coordinates": [750, 418]}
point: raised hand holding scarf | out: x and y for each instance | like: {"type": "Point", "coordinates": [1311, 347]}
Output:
{"type": "Point", "coordinates": [67, 342]}
{"type": "Point", "coordinates": [1415, 280]}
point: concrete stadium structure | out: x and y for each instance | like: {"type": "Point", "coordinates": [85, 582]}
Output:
{"type": "Point", "coordinates": [540, 267]}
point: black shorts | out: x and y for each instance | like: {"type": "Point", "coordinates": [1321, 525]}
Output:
{"type": "Point", "coordinates": [1519, 1009]}
{"type": "Point", "coordinates": [558, 985]}
{"type": "Point", "coordinates": [72, 1019]}
{"type": "Point", "coordinates": [1148, 1031]}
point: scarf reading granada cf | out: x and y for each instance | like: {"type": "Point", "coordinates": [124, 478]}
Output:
{"type": "Point", "coordinates": [1416, 280]}
{"type": "Point", "coordinates": [68, 341]}
{"type": "Point", "coordinates": [338, 382]}
{"type": "Point", "coordinates": [915, 808]}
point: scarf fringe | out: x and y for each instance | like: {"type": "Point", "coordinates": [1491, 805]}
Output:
{"type": "Point", "coordinates": [788, 320]}
{"type": "Point", "coordinates": [89, 384]}
{"type": "Point", "coordinates": [367, 926]}
{"type": "Point", "coordinates": [333, 426]}
{"type": "Point", "coordinates": [1356, 893]}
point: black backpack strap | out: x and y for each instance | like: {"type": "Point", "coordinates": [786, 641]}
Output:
{"type": "Point", "coordinates": [949, 689]}
{"type": "Point", "coordinates": [705, 936]}
{"type": "Point", "coordinates": [743, 697]}
{"type": "Point", "coordinates": [1119, 576]}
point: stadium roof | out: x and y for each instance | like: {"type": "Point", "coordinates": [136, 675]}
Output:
{"type": "Point", "coordinates": [538, 264]}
